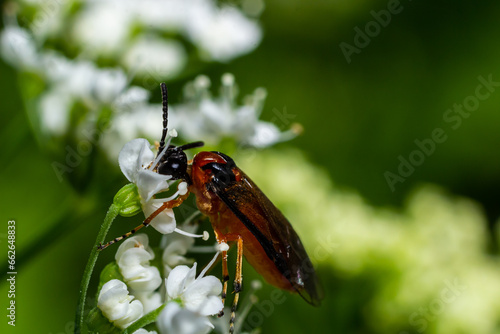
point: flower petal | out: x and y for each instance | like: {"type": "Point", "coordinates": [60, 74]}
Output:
{"type": "Point", "coordinates": [18, 47]}
{"type": "Point", "coordinates": [150, 183]}
{"type": "Point", "coordinates": [150, 300]}
{"type": "Point", "coordinates": [209, 285]}
{"type": "Point", "coordinates": [166, 57]}
{"type": "Point", "coordinates": [135, 311]}
{"type": "Point", "coordinates": [190, 277]}
{"type": "Point", "coordinates": [179, 278]}
{"type": "Point", "coordinates": [175, 281]}
{"type": "Point", "coordinates": [136, 271]}
{"type": "Point", "coordinates": [117, 305]}
{"type": "Point", "coordinates": [131, 98]}
{"type": "Point", "coordinates": [109, 83]}
{"type": "Point", "coordinates": [137, 241]}
{"type": "Point", "coordinates": [174, 319]}
{"type": "Point", "coordinates": [266, 134]}
{"type": "Point", "coordinates": [134, 155]}
{"type": "Point", "coordinates": [196, 297]}
{"type": "Point", "coordinates": [164, 321]}
{"type": "Point", "coordinates": [113, 300]}
{"type": "Point", "coordinates": [54, 109]}
{"type": "Point", "coordinates": [164, 222]}
{"type": "Point", "coordinates": [173, 254]}
{"type": "Point", "coordinates": [133, 258]}
{"type": "Point", "coordinates": [149, 280]}
{"type": "Point", "coordinates": [212, 305]}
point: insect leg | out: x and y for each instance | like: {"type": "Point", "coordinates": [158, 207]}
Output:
{"type": "Point", "coordinates": [225, 278]}
{"type": "Point", "coordinates": [237, 284]}
{"type": "Point", "coordinates": [167, 205]}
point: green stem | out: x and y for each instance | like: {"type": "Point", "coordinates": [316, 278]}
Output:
{"type": "Point", "coordinates": [110, 216]}
{"type": "Point", "coordinates": [144, 321]}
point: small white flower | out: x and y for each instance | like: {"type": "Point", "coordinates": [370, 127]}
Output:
{"type": "Point", "coordinates": [102, 27]}
{"type": "Point", "coordinates": [176, 247]}
{"type": "Point", "coordinates": [55, 66]}
{"type": "Point", "coordinates": [78, 79]}
{"type": "Point", "coordinates": [169, 15]}
{"type": "Point", "coordinates": [173, 254]}
{"type": "Point", "coordinates": [174, 319]}
{"type": "Point", "coordinates": [266, 134]}
{"type": "Point", "coordinates": [82, 80]}
{"type": "Point", "coordinates": [134, 160]}
{"type": "Point", "coordinates": [133, 258]}
{"type": "Point", "coordinates": [109, 84]}
{"type": "Point", "coordinates": [222, 34]}
{"type": "Point", "coordinates": [117, 305]}
{"type": "Point", "coordinates": [18, 47]}
{"type": "Point", "coordinates": [131, 99]}
{"type": "Point", "coordinates": [154, 57]}
{"type": "Point", "coordinates": [54, 107]}
{"type": "Point", "coordinates": [150, 300]}
{"type": "Point", "coordinates": [200, 295]}
{"type": "Point", "coordinates": [134, 119]}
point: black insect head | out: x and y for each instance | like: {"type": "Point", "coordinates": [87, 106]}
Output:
{"type": "Point", "coordinates": [174, 160]}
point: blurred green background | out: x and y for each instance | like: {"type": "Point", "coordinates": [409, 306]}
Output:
{"type": "Point", "coordinates": [358, 117]}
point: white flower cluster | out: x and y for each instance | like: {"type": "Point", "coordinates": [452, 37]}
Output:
{"type": "Point", "coordinates": [189, 299]}
{"type": "Point", "coordinates": [135, 39]}
{"type": "Point", "coordinates": [67, 81]}
{"type": "Point", "coordinates": [202, 117]}
{"type": "Point", "coordinates": [133, 32]}
{"type": "Point", "coordinates": [133, 258]}
{"type": "Point", "coordinates": [107, 28]}
{"type": "Point", "coordinates": [213, 119]}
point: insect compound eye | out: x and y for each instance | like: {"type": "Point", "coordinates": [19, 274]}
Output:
{"type": "Point", "coordinates": [175, 165]}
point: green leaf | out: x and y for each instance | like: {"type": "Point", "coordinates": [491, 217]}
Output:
{"type": "Point", "coordinates": [111, 271]}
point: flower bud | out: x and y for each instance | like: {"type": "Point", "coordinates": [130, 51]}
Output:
{"type": "Point", "coordinates": [128, 201]}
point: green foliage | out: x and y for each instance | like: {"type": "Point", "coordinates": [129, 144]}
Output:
{"type": "Point", "coordinates": [111, 271]}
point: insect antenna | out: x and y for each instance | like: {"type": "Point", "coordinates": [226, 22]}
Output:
{"type": "Point", "coordinates": [190, 145]}
{"type": "Point", "coordinates": [164, 94]}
